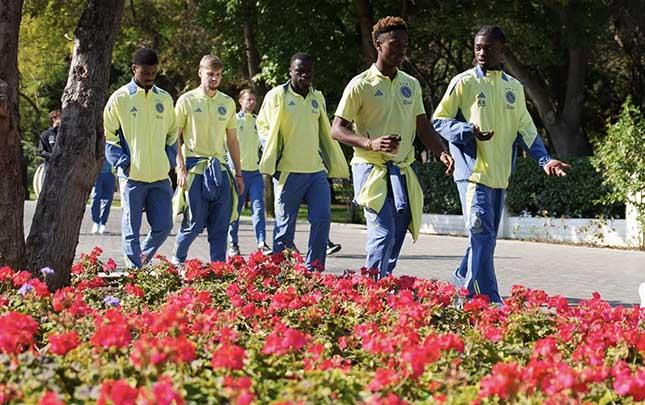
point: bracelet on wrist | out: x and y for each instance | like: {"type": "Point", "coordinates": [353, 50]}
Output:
{"type": "Point", "coordinates": [369, 144]}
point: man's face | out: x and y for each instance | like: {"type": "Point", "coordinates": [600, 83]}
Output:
{"type": "Point", "coordinates": [302, 73]}
{"type": "Point", "coordinates": [392, 46]}
{"type": "Point", "coordinates": [210, 78]}
{"type": "Point", "coordinates": [56, 121]}
{"type": "Point", "coordinates": [145, 74]}
{"type": "Point", "coordinates": [248, 102]}
{"type": "Point", "coordinates": [488, 52]}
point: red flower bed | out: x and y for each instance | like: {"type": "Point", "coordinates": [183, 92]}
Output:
{"type": "Point", "coordinates": [265, 329]}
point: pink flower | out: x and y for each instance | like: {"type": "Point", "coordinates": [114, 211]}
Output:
{"type": "Point", "coordinates": [62, 343]}
{"type": "Point", "coordinates": [503, 382]}
{"type": "Point", "coordinates": [135, 290]}
{"type": "Point", "coordinates": [228, 356]}
{"type": "Point", "coordinates": [117, 392]}
{"type": "Point", "coordinates": [165, 393]}
{"type": "Point", "coordinates": [16, 332]}
{"type": "Point", "coordinates": [382, 378]}
{"type": "Point", "coordinates": [109, 266]}
{"type": "Point", "coordinates": [284, 340]}
{"type": "Point", "coordinates": [111, 331]}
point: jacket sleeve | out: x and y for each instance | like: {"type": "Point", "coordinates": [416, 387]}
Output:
{"type": "Point", "coordinates": [264, 117]}
{"type": "Point", "coordinates": [116, 149]}
{"type": "Point", "coordinates": [43, 145]}
{"type": "Point", "coordinates": [171, 138]}
{"type": "Point", "coordinates": [330, 150]}
{"type": "Point", "coordinates": [268, 123]}
{"type": "Point", "coordinates": [528, 135]}
{"type": "Point", "coordinates": [447, 118]}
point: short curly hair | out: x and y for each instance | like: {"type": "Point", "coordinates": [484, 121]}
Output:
{"type": "Point", "coordinates": [388, 24]}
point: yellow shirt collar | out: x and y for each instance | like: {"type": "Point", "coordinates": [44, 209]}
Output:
{"type": "Point", "coordinates": [199, 91]}
{"type": "Point", "coordinates": [374, 72]}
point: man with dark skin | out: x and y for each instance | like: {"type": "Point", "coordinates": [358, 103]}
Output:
{"type": "Point", "coordinates": [140, 142]}
{"type": "Point", "coordinates": [484, 118]}
{"type": "Point", "coordinates": [385, 106]}
{"type": "Point", "coordinates": [300, 154]}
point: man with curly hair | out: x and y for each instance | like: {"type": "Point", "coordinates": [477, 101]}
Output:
{"type": "Point", "coordinates": [380, 114]}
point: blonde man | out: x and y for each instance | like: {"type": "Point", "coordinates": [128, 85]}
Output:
{"type": "Point", "coordinates": [206, 121]}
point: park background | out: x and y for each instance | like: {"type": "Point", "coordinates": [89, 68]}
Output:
{"type": "Point", "coordinates": [582, 63]}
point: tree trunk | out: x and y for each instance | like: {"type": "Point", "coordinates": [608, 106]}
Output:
{"type": "Point", "coordinates": [565, 130]}
{"type": "Point", "coordinates": [365, 23]}
{"type": "Point", "coordinates": [269, 208]}
{"type": "Point", "coordinates": [79, 150]}
{"type": "Point", "coordinates": [252, 54]}
{"type": "Point", "coordinates": [629, 33]}
{"type": "Point", "coordinates": [12, 192]}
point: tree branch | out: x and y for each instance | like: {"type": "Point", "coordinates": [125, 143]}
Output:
{"type": "Point", "coordinates": [30, 101]}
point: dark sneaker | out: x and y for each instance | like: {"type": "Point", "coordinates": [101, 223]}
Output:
{"type": "Point", "coordinates": [333, 248]}
{"type": "Point", "coordinates": [233, 250]}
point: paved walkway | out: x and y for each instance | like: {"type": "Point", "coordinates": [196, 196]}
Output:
{"type": "Point", "coordinates": [571, 271]}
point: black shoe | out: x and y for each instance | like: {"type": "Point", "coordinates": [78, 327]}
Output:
{"type": "Point", "coordinates": [333, 248]}
{"type": "Point", "coordinates": [233, 250]}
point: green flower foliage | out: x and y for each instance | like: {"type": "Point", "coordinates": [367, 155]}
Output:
{"type": "Point", "coordinates": [266, 330]}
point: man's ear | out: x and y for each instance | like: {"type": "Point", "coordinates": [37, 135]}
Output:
{"type": "Point", "coordinates": [377, 44]}
{"type": "Point", "coordinates": [133, 68]}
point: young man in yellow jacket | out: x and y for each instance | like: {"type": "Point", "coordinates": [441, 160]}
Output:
{"type": "Point", "coordinates": [250, 146]}
{"type": "Point", "coordinates": [483, 115]}
{"type": "Point", "coordinates": [206, 120]}
{"type": "Point", "coordinates": [385, 106]}
{"type": "Point", "coordinates": [141, 137]}
{"type": "Point", "coordinates": [300, 154]}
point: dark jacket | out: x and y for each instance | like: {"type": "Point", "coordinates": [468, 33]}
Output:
{"type": "Point", "coordinates": [47, 141]}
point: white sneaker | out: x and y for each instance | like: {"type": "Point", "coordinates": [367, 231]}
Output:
{"type": "Point", "coordinates": [175, 261]}
{"type": "Point", "coordinates": [641, 292]}
{"type": "Point", "coordinates": [101, 229]}
{"type": "Point", "coordinates": [95, 228]}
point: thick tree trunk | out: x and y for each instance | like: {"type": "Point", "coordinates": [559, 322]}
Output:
{"type": "Point", "coordinates": [12, 192]}
{"type": "Point", "coordinates": [363, 11]}
{"type": "Point", "coordinates": [78, 153]}
{"type": "Point", "coordinates": [564, 127]}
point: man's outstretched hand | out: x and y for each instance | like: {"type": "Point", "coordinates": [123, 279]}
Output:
{"type": "Point", "coordinates": [556, 168]}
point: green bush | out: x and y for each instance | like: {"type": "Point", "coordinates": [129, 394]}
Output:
{"type": "Point", "coordinates": [440, 194]}
{"type": "Point", "coordinates": [581, 194]}
{"type": "Point", "coordinates": [578, 195]}
{"type": "Point", "coordinates": [620, 156]}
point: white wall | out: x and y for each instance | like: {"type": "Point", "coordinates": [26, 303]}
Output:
{"type": "Point", "coordinates": [580, 230]}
